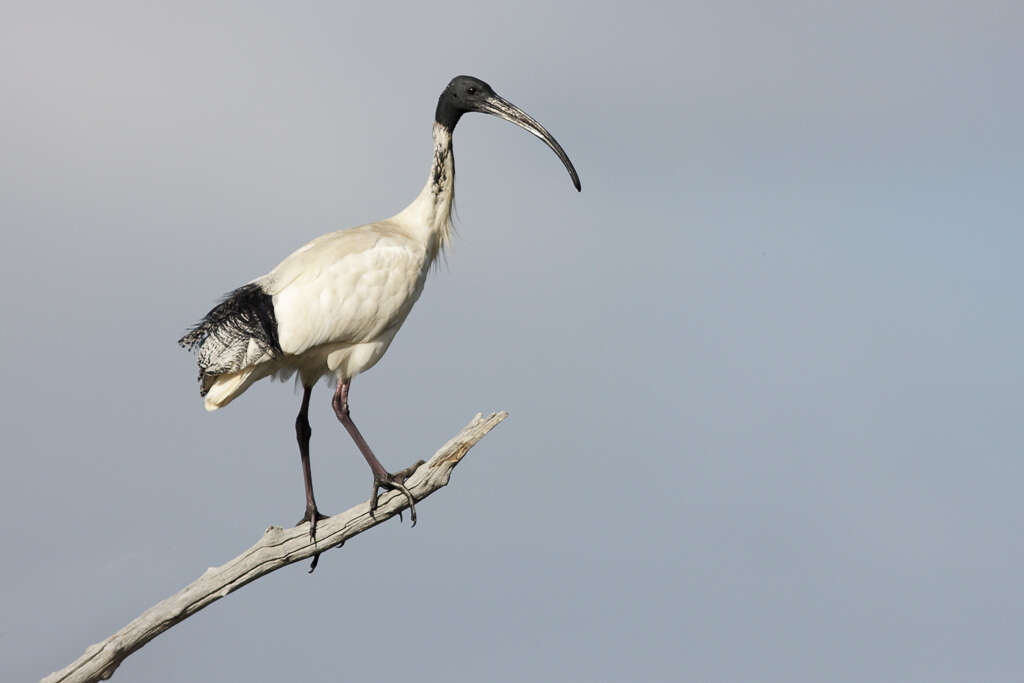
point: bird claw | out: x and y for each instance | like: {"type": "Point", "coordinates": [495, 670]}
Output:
{"type": "Point", "coordinates": [396, 482]}
{"type": "Point", "coordinates": [312, 516]}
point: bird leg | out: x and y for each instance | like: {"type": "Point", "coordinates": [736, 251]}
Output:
{"type": "Point", "coordinates": [381, 477]}
{"type": "Point", "coordinates": [302, 433]}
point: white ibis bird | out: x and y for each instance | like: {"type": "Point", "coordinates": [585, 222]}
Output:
{"type": "Point", "coordinates": [334, 306]}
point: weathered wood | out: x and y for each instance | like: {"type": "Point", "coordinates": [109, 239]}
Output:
{"type": "Point", "coordinates": [277, 548]}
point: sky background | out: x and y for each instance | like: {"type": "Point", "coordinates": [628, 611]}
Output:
{"type": "Point", "coordinates": [764, 373]}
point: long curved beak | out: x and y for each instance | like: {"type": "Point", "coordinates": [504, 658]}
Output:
{"type": "Point", "coordinates": [502, 108]}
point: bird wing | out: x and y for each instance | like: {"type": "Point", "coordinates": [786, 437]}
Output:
{"type": "Point", "coordinates": [346, 287]}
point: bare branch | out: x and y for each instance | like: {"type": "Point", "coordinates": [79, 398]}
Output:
{"type": "Point", "coordinates": [278, 548]}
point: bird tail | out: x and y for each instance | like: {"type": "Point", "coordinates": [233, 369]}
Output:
{"type": "Point", "coordinates": [239, 333]}
{"type": "Point", "coordinates": [222, 389]}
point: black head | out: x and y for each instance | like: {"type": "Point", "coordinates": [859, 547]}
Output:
{"type": "Point", "coordinates": [467, 94]}
{"type": "Point", "coordinates": [463, 94]}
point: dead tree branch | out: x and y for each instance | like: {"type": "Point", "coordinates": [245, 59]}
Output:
{"type": "Point", "coordinates": [277, 548]}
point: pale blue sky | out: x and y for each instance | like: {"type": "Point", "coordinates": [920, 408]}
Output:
{"type": "Point", "coordinates": [766, 369]}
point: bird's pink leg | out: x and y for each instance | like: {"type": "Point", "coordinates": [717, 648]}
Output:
{"type": "Point", "coordinates": [381, 477]}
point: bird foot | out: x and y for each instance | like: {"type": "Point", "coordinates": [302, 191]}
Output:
{"type": "Point", "coordinates": [312, 516]}
{"type": "Point", "coordinates": [396, 482]}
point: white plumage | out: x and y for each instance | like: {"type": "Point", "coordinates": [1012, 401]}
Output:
{"type": "Point", "coordinates": [334, 305]}
{"type": "Point", "coordinates": [340, 300]}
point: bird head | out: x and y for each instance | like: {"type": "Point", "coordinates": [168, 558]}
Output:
{"type": "Point", "coordinates": [468, 94]}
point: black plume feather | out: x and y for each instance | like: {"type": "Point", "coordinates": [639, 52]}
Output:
{"type": "Point", "coordinates": [223, 335]}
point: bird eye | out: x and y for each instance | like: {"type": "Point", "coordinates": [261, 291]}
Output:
{"type": "Point", "coordinates": [471, 90]}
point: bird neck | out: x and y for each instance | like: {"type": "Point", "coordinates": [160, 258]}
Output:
{"type": "Point", "coordinates": [429, 216]}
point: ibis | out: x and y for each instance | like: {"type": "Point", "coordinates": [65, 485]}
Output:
{"type": "Point", "coordinates": [332, 307]}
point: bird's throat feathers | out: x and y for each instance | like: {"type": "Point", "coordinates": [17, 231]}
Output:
{"type": "Point", "coordinates": [442, 185]}
{"type": "Point", "coordinates": [429, 216]}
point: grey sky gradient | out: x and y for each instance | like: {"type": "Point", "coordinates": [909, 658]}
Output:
{"type": "Point", "coordinates": [773, 349]}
